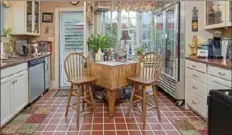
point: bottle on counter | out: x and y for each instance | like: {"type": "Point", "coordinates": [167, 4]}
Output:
{"type": "Point", "coordinates": [105, 56]}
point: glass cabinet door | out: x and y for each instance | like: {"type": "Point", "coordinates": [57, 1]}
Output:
{"type": "Point", "coordinates": [215, 13]}
{"type": "Point", "coordinates": [159, 36]}
{"type": "Point", "coordinates": [170, 43]}
{"type": "Point", "coordinates": [29, 16]}
{"type": "Point", "coordinates": [36, 17]}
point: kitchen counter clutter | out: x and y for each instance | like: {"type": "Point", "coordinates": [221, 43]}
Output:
{"type": "Point", "coordinates": [15, 82]}
{"type": "Point", "coordinates": [203, 75]}
{"type": "Point", "coordinates": [18, 60]}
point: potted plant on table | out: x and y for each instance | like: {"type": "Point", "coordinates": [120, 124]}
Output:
{"type": "Point", "coordinates": [139, 52]}
{"type": "Point", "coordinates": [98, 43]}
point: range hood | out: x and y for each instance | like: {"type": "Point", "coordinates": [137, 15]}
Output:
{"type": "Point", "coordinates": [102, 6]}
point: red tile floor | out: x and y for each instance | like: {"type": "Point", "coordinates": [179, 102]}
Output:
{"type": "Point", "coordinates": [57, 124]}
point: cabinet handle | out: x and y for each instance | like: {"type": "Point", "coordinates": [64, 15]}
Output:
{"type": "Point", "coordinates": [194, 87]}
{"type": "Point", "coordinates": [193, 66]}
{"type": "Point", "coordinates": [222, 74]}
{"type": "Point", "coordinates": [195, 75]}
{"type": "Point", "coordinates": [194, 102]}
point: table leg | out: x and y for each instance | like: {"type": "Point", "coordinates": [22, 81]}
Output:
{"type": "Point", "coordinates": [111, 95]}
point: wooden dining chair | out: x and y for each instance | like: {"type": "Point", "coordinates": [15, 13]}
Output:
{"type": "Point", "coordinates": [150, 71]}
{"type": "Point", "coordinates": [76, 70]}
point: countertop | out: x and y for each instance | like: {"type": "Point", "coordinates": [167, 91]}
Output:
{"type": "Point", "coordinates": [18, 60]}
{"type": "Point", "coordinates": [222, 63]}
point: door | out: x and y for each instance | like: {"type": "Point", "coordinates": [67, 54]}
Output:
{"type": "Point", "coordinates": [29, 16]}
{"type": "Point", "coordinates": [36, 17]}
{"type": "Point", "coordinates": [160, 36]}
{"type": "Point", "coordinates": [171, 36]}
{"type": "Point", "coordinates": [6, 110]}
{"type": "Point", "coordinates": [71, 29]}
{"type": "Point", "coordinates": [20, 91]}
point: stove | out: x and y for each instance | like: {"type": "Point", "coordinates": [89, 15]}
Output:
{"type": "Point", "coordinates": [220, 112]}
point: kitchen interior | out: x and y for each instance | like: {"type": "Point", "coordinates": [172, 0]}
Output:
{"type": "Point", "coordinates": [194, 39]}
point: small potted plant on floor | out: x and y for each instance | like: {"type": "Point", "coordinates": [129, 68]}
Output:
{"type": "Point", "coordinates": [98, 43]}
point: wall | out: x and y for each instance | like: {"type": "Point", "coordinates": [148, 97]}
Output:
{"type": "Point", "coordinates": [49, 7]}
{"type": "Point", "coordinates": [202, 34]}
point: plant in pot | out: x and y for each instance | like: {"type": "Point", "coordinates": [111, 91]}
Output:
{"type": "Point", "coordinates": [98, 43]}
{"type": "Point", "coordinates": [7, 32]}
{"type": "Point", "coordinates": [139, 52]}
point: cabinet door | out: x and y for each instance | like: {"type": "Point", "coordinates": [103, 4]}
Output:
{"type": "Point", "coordinates": [229, 13]}
{"type": "Point", "coordinates": [20, 91]}
{"type": "Point", "coordinates": [36, 25]}
{"type": "Point", "coordinates": [29, 17]}
{"type": "Point", "coordinates": [6, 113]}
{"type": "Point", "coordinates": [215, 14]}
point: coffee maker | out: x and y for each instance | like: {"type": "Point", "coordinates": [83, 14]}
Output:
{"type": "Point", "coordinates": [21, 47]}
{"type": "Point", "coordinates": [215, 46]}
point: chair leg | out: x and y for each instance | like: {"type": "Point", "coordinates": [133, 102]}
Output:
{"type": "Point", "coordinates": [156, 102]}
{"type": "Point", "coordinates": [78, 107]}
{"type": "Point", "coordinates": [92, 100]}
{"type": "Point", "coordinates": [144, 107]}
{"type": "Point", "coordinates": [83, 94]}
{"type": "Point", "coordinates": [131, 100]}
{"type": "Point", "coordinates": [69, 100]}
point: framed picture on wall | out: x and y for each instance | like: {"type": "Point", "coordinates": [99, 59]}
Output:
{"type": "Point", "coordinates": [47, 17]}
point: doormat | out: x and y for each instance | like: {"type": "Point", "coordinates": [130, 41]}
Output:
{"type": "Point", "coordinates": [61, 93]}
{"type": "Point", "coordinates": [27, 121]}
{"type": "Point", "coordinates": [196, 127]}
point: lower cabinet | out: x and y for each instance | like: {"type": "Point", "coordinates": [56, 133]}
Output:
{"type": "Point", "coordinates": [14, 95]}
{"type": "Point", "coordinates": [6, 100]}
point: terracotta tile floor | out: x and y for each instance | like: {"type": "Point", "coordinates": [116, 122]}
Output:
{"type": "Point", "coordinates": [57, 124]}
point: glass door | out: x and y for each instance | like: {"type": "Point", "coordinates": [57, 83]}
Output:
{"type": "Point", "coordinates": [36, 19]}
{"type": "Point", "coordinates": [171, 42]}
{"type": "Point", "coordinates": [71, 38]}
{"type": "Point", "coordinates": [29, 16]}
{"type": "Point", "coordinates": [160, 36]}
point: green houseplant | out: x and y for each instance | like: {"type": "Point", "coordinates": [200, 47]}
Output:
{"type": "Point", "coordinates": [139, 52]}
{"type": "Point", "coordinates": [96, 42]}
{"type": "Point", "coordinates": [7, 32]}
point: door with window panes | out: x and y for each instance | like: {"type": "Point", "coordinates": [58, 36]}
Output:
{"type": "Point", "coordinates": [71, 38]}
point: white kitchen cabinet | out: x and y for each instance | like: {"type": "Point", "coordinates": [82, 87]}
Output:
{"type": "Point", "coordinates": [217, 83]}
{"type": "Point", "coordinates": [229, 13]}
{"type": "Point", "coordinates": [6, 110]}
{"type": "Point", "coordinates": [20, 91]}
{"type": "Point", "coordinates": [14, 93]}
{"type": "Point", "coordinates": [215, 14]}
{"type": "Point", "coordinates": [25, 17]}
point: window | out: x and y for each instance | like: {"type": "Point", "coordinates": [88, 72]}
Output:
{"type": "Point", "coordinates": [139, 27]}
{"type": "Point", "coordinates": [146, 30]}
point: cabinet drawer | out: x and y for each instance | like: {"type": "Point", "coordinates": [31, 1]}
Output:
{"type": "Point", "coordinates": [196, 66]}
{"type": "Point", "coordinates": [202, 77]}
{"type": "Point", "coordinates": [216, 83]}
{"type": "Point", "coordinates": [197, 87]}
{"type": "Point", "coordinates": [13, 70]}
{"type": "Point", "coordinates": [220, 73]}
{"type": "Point", "coordinates": [197, 103]}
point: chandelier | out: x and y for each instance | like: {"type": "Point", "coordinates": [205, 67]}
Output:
{"type": "Point", "coordinates": [139, 6]}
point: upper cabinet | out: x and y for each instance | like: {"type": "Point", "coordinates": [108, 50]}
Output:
{"type": "Point", "coordinates": [25, 18]}
{"type": "Point", "coordinates": [229, 13]}
{"type": "Point", "coordinates": [217, 14]}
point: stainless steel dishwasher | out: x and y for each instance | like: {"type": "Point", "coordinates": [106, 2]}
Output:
{"type": "Point", "coordinates": [36, 78]}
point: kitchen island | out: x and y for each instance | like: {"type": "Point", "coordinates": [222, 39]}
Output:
{"type": "Point", "coordinates": [15, 85]}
